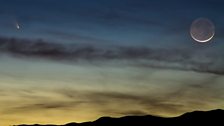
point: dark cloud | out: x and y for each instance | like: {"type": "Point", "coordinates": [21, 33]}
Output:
{"type": "Point", "coordinates": [133, 112]}
{"type": "Point", "coordinates": [190, 60]}
{"type": "Point", "coordinates": [148, 102]}
{"type": "Point", "coordinates": [42, 106]}
{"type": "Point", "coordinates": [76, 37]}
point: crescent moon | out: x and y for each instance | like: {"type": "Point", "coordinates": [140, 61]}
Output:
{"type": "Point", "coordinates": [202, 30]}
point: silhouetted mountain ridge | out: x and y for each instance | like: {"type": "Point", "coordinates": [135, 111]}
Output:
{"type": "Point", "coordinates": [196, 118]}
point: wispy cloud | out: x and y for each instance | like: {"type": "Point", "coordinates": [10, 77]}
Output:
{"type": "Point", "coordinates": [110, 102]}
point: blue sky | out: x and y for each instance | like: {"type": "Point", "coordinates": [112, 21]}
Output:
{"type": "Point", "coordinates": [144, 23]}
{"type": "Point", "coordinates": [78, 60]}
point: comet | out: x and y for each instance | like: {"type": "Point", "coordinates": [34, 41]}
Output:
{"type": "Point", "coordinates": [17, 26]}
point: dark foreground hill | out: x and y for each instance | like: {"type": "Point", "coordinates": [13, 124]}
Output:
{"type": "Point", "coordinates": [197, 118]}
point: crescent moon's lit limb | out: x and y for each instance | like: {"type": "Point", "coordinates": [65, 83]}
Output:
{"type": "Point", "coordinates": [202, 41]}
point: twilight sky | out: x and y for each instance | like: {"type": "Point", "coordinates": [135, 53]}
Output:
{"type": "Point", "coordinates": [78, 60]}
